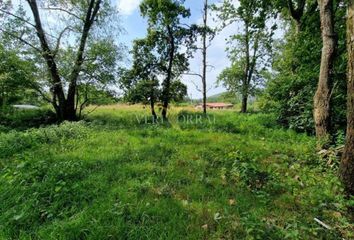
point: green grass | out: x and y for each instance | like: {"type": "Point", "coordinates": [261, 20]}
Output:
{"type": "Point", "coordinates": [114, 176]}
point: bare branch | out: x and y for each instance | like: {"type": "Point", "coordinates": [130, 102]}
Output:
{"type": "Point", "coordinates": [196, 86]}
{"type": "Point", "coordinates": [59, 40]}
{"type": "Point", "coordinates": [63, 10]}
{"type": "Point", "coordinates": [193, 74]}
{"type": "Point", "coordinates": [210, 88]}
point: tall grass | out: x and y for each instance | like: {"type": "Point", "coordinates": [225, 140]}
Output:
{"type": "Point", "coordinates": [115, 177]}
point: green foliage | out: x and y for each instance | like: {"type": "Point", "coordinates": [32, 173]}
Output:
{"type": "Point", "coordinates": [296, 64]}
{"type": "Point", "coordinates": [140, 83]}
{"type": "Point", "coordinates": [240, 175]}
{"type": "Point", "coordinates": [77, 59]}
{"type": "Point", "coordinates": [249, 49]}
{"type": "Point", "coordinates": [171, 44]}
{"type": "Point", "coordinates": [14, 141]}
{"type": "Point", "coordinates": [16, 79]}
{"type": "Point", "coordinates": [21, 119]}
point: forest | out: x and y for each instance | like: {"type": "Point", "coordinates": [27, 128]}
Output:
{"type": "Point", "coordinates": [177, 119]}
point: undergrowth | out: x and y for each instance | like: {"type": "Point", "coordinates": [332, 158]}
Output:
{"type": "Point", "coordinates": [114, 176]}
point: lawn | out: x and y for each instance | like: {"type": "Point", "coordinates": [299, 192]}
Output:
{"type": "Point", "coordinates": [117, 175]}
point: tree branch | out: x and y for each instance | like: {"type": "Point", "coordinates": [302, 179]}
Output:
{"type": "Point", "coordinates": [193, 74]}
{"type": "Point", "coordinates": [21, 39]}
{"type": "Point", "coordinates": [18, 17]}
{"type": "Point", "coordinates": [59, 40]}
{"type": "Point", "coordinates": [63, 10]}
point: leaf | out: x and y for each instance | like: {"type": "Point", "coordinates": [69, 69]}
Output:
{"type": "Point", "coordinates": [217, 216]}
{"type": "Point", "coordinates": [18, 217]}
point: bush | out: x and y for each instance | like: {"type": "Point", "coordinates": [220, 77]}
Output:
{"type": "Point", "coordinates": [24, 119]}
{"type": "Point", "coordinates": [15, 142]}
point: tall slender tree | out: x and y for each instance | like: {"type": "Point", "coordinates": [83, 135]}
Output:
{"type": "Point", "coordinates": [164, 19]}
{"type": "Point", "coordinates": [322, 96]}
{"type": "Point", "coordinates": [347, 163]}
{"type": "Point", "coordinates": [140, 83]}
{"type": "Point", "coordinates": [247, 48]}
{"type": "Point", "coordinates": [204, 52]}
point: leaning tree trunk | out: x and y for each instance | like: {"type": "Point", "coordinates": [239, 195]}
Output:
{"type": "Point", "coordinates": [59, 102]}
{"type": "Point", "coordinates": [70, 110]}
{"type": "Point", "coordinates": [347, 163]}
{"type": "Point", "coordinates": [323, 93]}
{"type": "Point", "coordinates": [65, 107]}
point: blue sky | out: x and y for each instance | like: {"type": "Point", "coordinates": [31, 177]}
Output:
{"type": "Point", "coordinates": [135, 27]}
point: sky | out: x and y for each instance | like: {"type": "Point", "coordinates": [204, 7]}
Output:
{"type": "Point", "coordinates": [135, 27]}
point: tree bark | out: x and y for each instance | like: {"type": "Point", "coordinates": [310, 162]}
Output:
{"type": "Point", "coordinates": [347, 163]}
{"type": "Point", "coordinates": [245, 83]}
{"type": "Point", "coordinates": [323, 94]}
{"type": "Point", "coordinates": [244, 103]}
{"type": "Point", "coordinates": [65, 107]}
{"type": "Point", "coordinates": [167, 82]}
{"type": "Point", "coordinates": [152, 106]}
{"type": "Point", "coordinates": [297, 13]}
{"type": "Point", "coordinates": [205, 19]}
{"type": "Point", "coordinates": [70, 113]}
{"type": "Point", "coordinates": [57, 87]}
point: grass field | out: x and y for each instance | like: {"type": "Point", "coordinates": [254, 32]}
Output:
{"type": "Point", "coordinates": [118, 176]}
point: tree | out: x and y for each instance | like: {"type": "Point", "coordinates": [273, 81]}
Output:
{"type": "Point", "coordinates": [15, 77]}
{"type": "Point", "coordinates": [82, 19]}
{"type": "Point", "coordinates": [206, 32]}
{"type": "Point", "coordinates": [164, 19]}
{"type": "Point", "coordinates": [248, 48]}
{"type": "Point", "coordinates": [347, 163]}
{"type": "Point", "coordinates": [296, 9]}
{"type": "Point", "coordinates": [297, 12]}
{"type": "Point", "coordinates": [98, 74]}
{"type": "Point", "coordinates": [141, 82]}
{"type": "Point", "coordinates": [323, 94]}
{"type": "Point", "coordinates": [232, 79]}
{"type": "Point", "coordinates": [295, 71]}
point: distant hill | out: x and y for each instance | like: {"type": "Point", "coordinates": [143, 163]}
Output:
{"type": "Point", "coordinates": [224, 97]}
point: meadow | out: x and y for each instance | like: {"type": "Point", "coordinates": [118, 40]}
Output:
{"type": "Point", "coordinates": [118, 175]}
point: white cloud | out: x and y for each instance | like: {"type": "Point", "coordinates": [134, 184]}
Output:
{"type": "Point", "coordinates": [127, 7]}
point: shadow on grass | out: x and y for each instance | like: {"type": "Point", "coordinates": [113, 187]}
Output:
{"type": "Point", "coordinates": [25, 119]}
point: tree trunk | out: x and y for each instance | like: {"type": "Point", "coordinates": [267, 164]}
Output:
{"type": "Point", "coordinates": [347, 163]}
{"type": "Point", "coordinates": [70, 111]}
{"type": "Point", "coordinates": [323, 93]}
{"type": "Point", "coordinates": [244, 103]}
{"type": "Point", "coordinates": [205, 19]}
{"type": "Point", "coordinates": [152, 106]}
{"type": "Point", "coordinates": [245, 81]}
{"type": "Point", "coordinates": [167, 82]}
{"type": "Point", "coordinates": [65, 107]}
{"type": "Point", "coordinates": [57, 87]}
{"type": "Point", "coordinates": [297, 13]}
